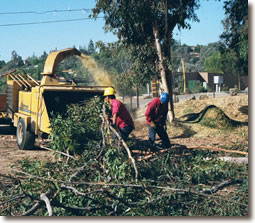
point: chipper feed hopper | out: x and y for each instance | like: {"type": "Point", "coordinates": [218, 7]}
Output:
{"type": "Point", "coordinates": [30, 103]}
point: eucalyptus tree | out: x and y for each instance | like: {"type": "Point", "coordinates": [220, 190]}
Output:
{"type": "Point", "coordinates": [139, 22]}
{"type": "Point", "coordinates": [234, 38]}
{"type": "Point", "coordinates": [142, 66]}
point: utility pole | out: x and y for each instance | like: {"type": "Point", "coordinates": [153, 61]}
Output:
{"type": "Point", "coordinates": [184, 76]}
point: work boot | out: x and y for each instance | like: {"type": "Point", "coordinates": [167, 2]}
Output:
{"type": "Point", "coordinates": [153, 147]}
{"type": "Point", "coordinates": [166, 145]}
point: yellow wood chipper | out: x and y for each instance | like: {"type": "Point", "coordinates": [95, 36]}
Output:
{"type": "Point", "coordinates": [28, 103]}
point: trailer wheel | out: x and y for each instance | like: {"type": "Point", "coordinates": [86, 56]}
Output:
{"type": "Point", "coordinates": [25, 138]}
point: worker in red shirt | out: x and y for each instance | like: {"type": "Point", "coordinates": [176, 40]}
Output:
{"type": "Point", "coordinates": [120, 115]}
{"type": "Point", "coordinates": [156, 114]}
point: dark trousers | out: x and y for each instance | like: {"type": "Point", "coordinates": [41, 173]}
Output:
{"type": "Point", "coordinates": [124, 132]}
{"type": "Point", "coordinates": [160, 130]}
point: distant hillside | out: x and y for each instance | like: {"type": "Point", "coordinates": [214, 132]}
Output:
{"type": "Point", "coordinates": [193, 56]}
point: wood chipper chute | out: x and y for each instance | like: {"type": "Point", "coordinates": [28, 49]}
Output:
{"type": "Point", "coordinates": [30, 103]}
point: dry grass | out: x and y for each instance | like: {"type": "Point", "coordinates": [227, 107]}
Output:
{"type": "Point", "coordinates": [233, 106]}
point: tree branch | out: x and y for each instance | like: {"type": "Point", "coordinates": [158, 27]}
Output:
{"type": "Point", "coordinates": [44, 198]}
{"type": "Point", "coordinates": [150, 154]}
{"type": "Point", "coordinates": [127, 149]}
{"type": "Point", "coordinates": [16, 180]}
{"type": "Point", "coordinates": [56, 204]}
{"type": "Point", "coordinates": [102, 132]}
{"type": "Point", "coordinates": [19, 197]}
{"type": "Point", "coordinates": [104, 120]}
{"type": "Point", "coordinates": [76, 192]}
{"type": "Point", "coordinates": [167, 188]}
{"type": "Point", "coordinates": [220, 186]}
{"type": "Point", "coordinates": [80, 170]}
{"type": "Point", "coordinates": [217, 149]}
{"type": "Point", "coordinates": [55, 151]}
{"type": "Point", "coordinates": [105, 191]}
{"type": "Point", "coordinates": [35, 207]}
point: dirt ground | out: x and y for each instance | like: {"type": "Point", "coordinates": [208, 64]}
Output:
{"type": "Point", "coordinates": [236, 107]}
{"type": "Point", "coordinates": [10, 154]}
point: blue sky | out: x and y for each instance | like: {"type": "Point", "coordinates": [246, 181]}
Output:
{"type": "Point", "coordinates": [208, 30]}
{"type": "Point", "coordinates": [27, 40]}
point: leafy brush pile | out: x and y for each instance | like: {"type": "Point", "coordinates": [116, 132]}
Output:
{"type": "Point", "coordinates": [213, 117]}
{"type": "Point", "coordinates": [78, 128]}
{"type": "Point", "coordinates": [100, 179]}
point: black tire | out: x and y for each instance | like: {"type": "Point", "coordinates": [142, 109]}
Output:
{"type": "Point", "coordinates": [25, 139]}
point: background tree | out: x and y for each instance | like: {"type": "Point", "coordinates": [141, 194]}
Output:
{"type": "Point", "coordinates": [106, 56]}
{"type": "Point", "coordinates": [143, 66]}
{"type": "Point", "coordinates": [16, 59]}
{"type": "Point", "coordinates": [127, 61]}
{"type": "Point", "coordinates": [2, 63]}
{"type": "Point", "coordinates": [116, 60]}
{"type": "Point", "coordinates": [138, 22]}
{"type": "Point", "coordinates": [213, 63]}
{"type": "Point", "coordinates": [234, 39]}
{"type": "Point", "coordinates": [91, 47]}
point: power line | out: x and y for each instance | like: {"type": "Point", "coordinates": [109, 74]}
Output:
{"type": "Point", "coordinates": [44, 22]}
{"type": "Point", "coordinates": [45, 12]}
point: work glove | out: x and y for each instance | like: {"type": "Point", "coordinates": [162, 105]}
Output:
{"type": "Point", "coordinates": [153, 125]}
{"type": "Point", "coordinates": [111, 123]}
{"type": "Point", "coordinates": [106, 117]}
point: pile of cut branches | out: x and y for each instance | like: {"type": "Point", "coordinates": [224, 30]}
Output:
{"type": "Point", "coordinates": [97, 177]}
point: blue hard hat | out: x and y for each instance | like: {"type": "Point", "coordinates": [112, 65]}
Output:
{"type": "Point", "coordinates": [164, 97]}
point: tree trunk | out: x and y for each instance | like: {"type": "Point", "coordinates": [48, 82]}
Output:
{"type": "Point", "coordinates": [167, 54]}
{"type": "Point", "coordinates": [165, 74]}
{"type": "Point", "coordinates": [137, 98]}
{"type": "Point", "coordinates": [131, 100]}
{"type": "Point", "coordinates": [239, 82]}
